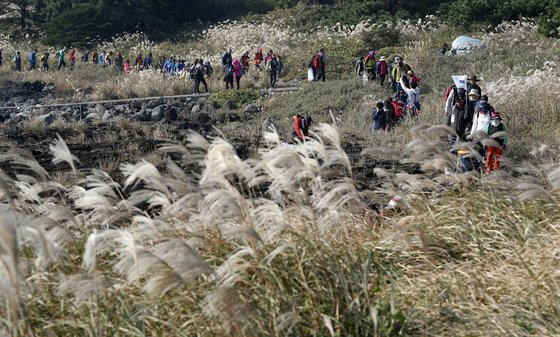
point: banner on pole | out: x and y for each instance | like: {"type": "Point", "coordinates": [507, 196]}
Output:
{"type": "Point", "coordinates": [460, 81]}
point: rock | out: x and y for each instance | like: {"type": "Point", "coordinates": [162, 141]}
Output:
{"type": "Point", "coordinates": [158, 113]}
{"type": "Point", "coordinates": [19, 117]}
{"type": "Point", "coordinates": [195, 109]}
{"type": "Point", "coordinates": [137, 105]}
{"type": "Point", "coordinates": [91, 118]}
{"type": "Point", "coordinates": [252, 108]}
{"type": "Point", "coordinates": [170, 115]}
{"type": "Point", "coordinates": [107, 116]}
{"type": "Point", "coordinates": [156, 102]}
{"type": "Point", "coordinates": [100, 109]}
{"type": "Point", "coordinates": [230, 105]}
{"type": "Point", "coordinates": [46, 118]}
{"type": "Point", "coordinates": [268, 125]}
{"type": "Point", "coordinates": [119, 109]}
{"type": "Point", "coordinates": [201, 118]}
{"type": "Point", "coordinates": [225, 117]}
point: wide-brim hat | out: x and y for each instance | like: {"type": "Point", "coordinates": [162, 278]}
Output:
{"type": "Point", "coordinates": [382, 58]}
{"type": "Point", "coordinates": [473, 78]}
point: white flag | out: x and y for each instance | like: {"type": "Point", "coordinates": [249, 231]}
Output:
{"type": "Point", "coordinates": [460, 81]}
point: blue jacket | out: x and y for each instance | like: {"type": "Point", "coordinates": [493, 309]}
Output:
{"type": "Point", "coordinates": [379, 119]}
{"type": "Point", "coordinates": [32, 58]}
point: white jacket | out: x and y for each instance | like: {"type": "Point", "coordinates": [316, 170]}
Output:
{"type": "Point", "coordinates": [413, 94]}
{"type": "Point", "coordinates": [480, 122]}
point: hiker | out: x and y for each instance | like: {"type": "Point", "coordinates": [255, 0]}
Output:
{"type": "Point", "coordinates": [300, 130]}
{"type": "Point", "coordinates": [199, 70]}
{"type": "Point", "coordinates": [72, 58]}
{"type": "Point", "coordinates": [228, 75]}
{"type": "Point", "coordinates": [378, 117]}
{"type": "Point", "coordinates": [245, 62]}
{"type": "Point", "coordinates": [101, 59]}
{"type": "Point", "coordinates": [457, 119]}
{"type": "Point", "coordinates": [33, 59]}
{"type": "Point", "coordinates": [94, 56]}
{"type": "Point", "coordinates": [280, 66]}
{"type": "Point", "coordinates": [471, 105]}
{"type": "Point", "coordinates": [398, 106]}
{"type": "Point", "coordinates": [45, 60]}
{"type": "Point", "coordinates": [258, 58]}
{"type": "Point", "coordinates": [396, 73]}
{"type": "Point", "coordinates": [360, 66]}
{"type": "Point", "coordinates": [60, 58]}
{"type": "Point", "coordinates": [119, 63]}
{"type": "Point", "coordinates": [382, 70]}
{"type": "Point", "coordinates": [413, 77]}
{"type": "Point", "coordinates": [450, 96]}
{"type": "Point", "coordinates": [1, 58]}
{"type": "Point", "coordinates": [444, 49]}
{"type": "Point", "coordinates": [85, 57]}
{"type": "Point", "coordinates": [268, 56]}
{"type": "Point", "coordinates": [139, 63]}
{"type": "Point", "coordinates": [148, 61]}
{"type": "Point", "coordinates": [126, 66]}
{"type": "Point", "coordinates": [322, 64]}
{"type": "Point", "coordinates": [237, 72]}
{"type": "Point", "coordinates": [467, 162]}
{"type": "Point", "coordinates": [481, 117]}
{"type": "Point", "coordinates": [472, 84]}
{"type": "Point", "coordinates": [272, 69]}
{"type": "Point", "coordinates": [108, 59]}
{"type": "Point", "coordinates": [494, 153]}
{"type": "Point", "coordinates": [226, 59]}
{"type": "Point", "coordinates": [413, 94]}
{"type": "Point", "coordinates": [392, 118]}
{"type": "Point", "coordinates": [209, 71]}
{"type": "Point", "coordinates": [370, 64]}
{"type": "Point", "coordinates": [17, 61]}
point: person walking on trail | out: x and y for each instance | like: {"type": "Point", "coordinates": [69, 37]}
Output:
{"type": "Point", "coordinates": [272, 69]}
{"type": "Point", "coordinates": [382, 70]}
{"type": "Point", "coordinates": [72, 58]}
{"type": "Point", "coordinates": [199, 71]}
{"type": "Point", "coordinates": [95, 57]}
{"type": "Point", "coordinates": [450, 96]}
{"type": "Point", "coordinates": [280, 66]}
{"type": "Point", "coordinates": [397, 71]}
{"type": "Point", "coordinates": [139, 62]}
{"type": "Point", "coordinates": [208, 70]}
{"type": "Point", "coordinates": [33, 59]}
{"type": "Point", "coordinates": [60, 58]}
{"type": "Point", "coordinates": [413, 93]}
{"type": "Point", "coordinates": [321, 70]}
{"type": "Point", "coordinates": [473, 84]}
{"type": "Point", "coordinates": [148, 61]}
{"type": "Point", "coordinates": [226, 59]}
{"type": "Point", "coordinates": [85, 56]}
{"type": "Point", "coordinates": [237, 69]}
{"type": "Point", "coordinates": [1, 58]}
{"type": "Point", "coordinates": [481, 117]}
{"type": "Point", "coordinates": [126, 66]}
{"type": "Point", "coordinates": [370, 64]}
{"type": "Point", "coordinates": [228, 75]}
{"type": "Point", "coordinates": [45, 60]}
{"type": "Point", "coordinates": [472, 103]}
{"type": "Point", "coordinates": [245, 62]}
{"type": "Point", "coordinates": [17, 61]}
{"type": "Point", "coordinates": [378, 117]}
{"type": "Point", "coordinates": [101, 59]}
{"type": "Point", "coordinates": [494, 153]}
{"type": "Point", "coordinates": [300, 129]}
{"type": "Point", "coordinates": [360, 66]}
{"type": "Point", "coordinates": [258, 59]}
{"type": "Point", "coordinates": [457, 119]}
{"type": "Point", "coordinates": [119, 62]}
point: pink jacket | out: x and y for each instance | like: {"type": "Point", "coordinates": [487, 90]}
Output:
{"type": "Point", "coordinates": [237, 68]}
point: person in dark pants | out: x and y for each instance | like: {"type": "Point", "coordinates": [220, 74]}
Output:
{"type": "Point", "coordinates": [199, 70]}
{"type": "Point", "coordinates": [322, 65]}
{"type": "Point", "coordinates": [272, 68]}
{"type": "Point", "coordinates": [17, 61]}
{"type": "Point", "coordinates": [45, 60]}
{"type": "Point", "coordinates": [229, 75]}
{"type": "Point", "coordinates": [33, 59]}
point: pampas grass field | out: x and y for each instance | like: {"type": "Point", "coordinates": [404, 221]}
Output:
{"type": "Point", "coordinates": [198, 241]}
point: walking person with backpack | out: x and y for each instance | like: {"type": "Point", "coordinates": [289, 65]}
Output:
{"type": "Point", "coordinates": [300, 129]}
{"type": "Point", "coordinates": [458, 118]}
{"type": "Point", "coordinates": [198, 74]}
{"type": "Point", "coordinates": [72, 58]}
{"type": "Point", "coordinates": [245, 62]}
{"type": "Point", "coordinates": [370, 64]}
{"type": "Point", "coordinates": [17, 61]}
{"type": "Point", "coordinates": [228, 75]}
{"type": "Point", "coordinates": [60, 58]}
{"type": "Point", "coordinates": [85, 56]}
{"type": "Point", "coordinates": [360, 66]}
{"type": "Point", "coordinates": [382, 70]}
{"type": "Point", "coordinates": [94, 56]}
{"type": "Point", "coordinates": [494, 153]}
{"type": "Point", "coordinates": [258, 58]}
{"type": "Point", "coordinates": [45, 60]}
{"type": "Point", "coordinates": [272, 69]}
{"type": "Point", "coordinates": [33, 59]}
{"type": "Point", "coordinates": [119, 62]}
{"type": "Point", "coordinates": [378, 117]}
{"type": "Point", "coordinates": [237, 69]}
{"type": "Point", "coordinates": [321, 65]}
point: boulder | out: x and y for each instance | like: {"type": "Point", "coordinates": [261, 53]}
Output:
{"type": "Point", "coordinates": [158, 113]}
{"type": "Point", "coordinates": [252, 108]}
{"type": "Point", "coordinates": [154, 103]}
{"type": "Point", "coordinates": [136, 104]}
{"type": "Point", "coordinates": [119, 109]}
{"type": "Point", "coordinates": [107, 116]}
{"type": "Point", "coordinates": [100, 109]}
{"type": "Point", "coordinates": [170, 115]}
{"type": "Point", "coordinates": [92, 118]}
{"type": "Point", "coordinates": [195, 109]}
{"type": "Point", "coordinates": [46, 118]}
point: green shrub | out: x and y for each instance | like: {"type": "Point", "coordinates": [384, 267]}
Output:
{"type": "Point", "coordinates": [237, 97]}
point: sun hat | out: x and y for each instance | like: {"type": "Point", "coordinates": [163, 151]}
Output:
{"type": "Point", "coordinates": [473, 92]}
{"type": "Point", "coordinates": [382, 58]}
{"type": "Point", "coordinates": [473, 78]}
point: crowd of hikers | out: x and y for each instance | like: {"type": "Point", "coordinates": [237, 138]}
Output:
{"type": "Point", "coordinates": [233, 69]}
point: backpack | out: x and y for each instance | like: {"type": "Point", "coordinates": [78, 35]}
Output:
{"type": "Point", "coordinates": [448, 91]}
{"type": "Point", "coordinates": [43, 58]}
{"type": "Point", "coordinates": [229, 70]}
{"type": "Point", "coordinates": [316, 61]}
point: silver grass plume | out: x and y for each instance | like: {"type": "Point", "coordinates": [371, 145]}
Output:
{"type": "Point", "coordinates": [61, 153]}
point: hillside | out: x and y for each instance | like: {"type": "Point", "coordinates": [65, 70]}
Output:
{"type": "Point", "coordinates": [131, 223]}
